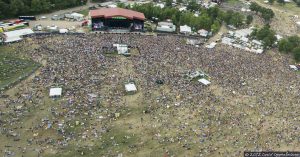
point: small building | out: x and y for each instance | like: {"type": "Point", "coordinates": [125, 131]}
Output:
{"type": "Point", "coordinates": [185, 29]}
{"type": "Point", "coordinates": [130, 88]}
{"type": "Point", "coordinates": [55, 92]}
{"type": "Point", "coordinates": [166, 27]}
{"type": "Point", "coordinates": [204, 81]}
{"type": "Point", "coordinates": [203, 33]}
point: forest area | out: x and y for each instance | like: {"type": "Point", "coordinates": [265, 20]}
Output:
{"type": "Point", "coordinates": [14, 8]}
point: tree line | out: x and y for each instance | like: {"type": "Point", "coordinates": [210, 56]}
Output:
{"type": "Point", "coordinates": [266, 35]}
{"type": "Point", "coordinates": [209, 19]}
{"type": "Point", "coordinates": [14, 8]}
{"type": "Point", "coordinates": [290, 45]}
{"type": "Point", "coordinates": [266, 14]}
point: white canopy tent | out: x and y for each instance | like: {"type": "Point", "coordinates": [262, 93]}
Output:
{"type": "Point", "coordinates": [16, 35]}
{"type": "Point", "coordinates": [63, 31]}
{"type": "Point", "coordinates": [130, 87]}
{"type": "Point", "coordinates": [185, 29]}
{"type": "Point", "coordinates": [204, 81]}
{"type": "Point", "coordinates": [55, 92]}
{"type": "Point", "coordinates": [203, 32]}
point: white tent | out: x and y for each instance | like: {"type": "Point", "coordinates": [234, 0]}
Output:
{"type": "Point", "coordinates": [77, 16]}
{"type": "Point", "coordinates": [112, 6]}
{"type": "Point", "coordinates": [185, 29]}
{"type": "Point", "coordinates": [293, 67]}
{"type": "Point", "coordinates": [55, 92]}
{"type": "Point", "coordinates": [121, 48]}
{"type": "Point", "coordinates": [161, 5]}
{"type": "Point", "coordinates": [165, 27]}
{"type": "Point", "coordinates": [204, 81]}
{"type": "Point", "coordinates": [17, 34]}
{"type": "Point", "coordinates": [182, 9]}
{"type": "Point", "coordinates": [63, 31]}
{"type": "Point", "coordinates": [130, 87]}
{"type": "Point", "coordinates": [203, 32]}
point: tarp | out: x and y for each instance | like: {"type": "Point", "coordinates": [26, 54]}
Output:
{"type": "Point", "coordinates": [130, 87]}
{"type": "Point", "coordinates": [185, 29]}
{"type": "Point", "coordinates": [204, 81]}
{"type": "Point", "coordinates": [55, 92]}
{"type": "Point", "coordinates": [17, 34]}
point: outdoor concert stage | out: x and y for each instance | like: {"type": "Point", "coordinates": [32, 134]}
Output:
{"type": "Point", "coordinates": [107, 19]}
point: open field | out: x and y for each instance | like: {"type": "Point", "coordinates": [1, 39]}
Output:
{"type": "Point", "coordinates": [252, 103]}
{"type": "Point", "coordinates": [283, 23]}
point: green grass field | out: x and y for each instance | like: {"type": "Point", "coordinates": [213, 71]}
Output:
{"type": "Point", "coordinates": [13, 68]}
{"type": "Point", "coordinates": [85, 12]}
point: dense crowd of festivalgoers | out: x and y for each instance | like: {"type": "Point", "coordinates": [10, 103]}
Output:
{"type": "Point", "coordinates": [252, 102]}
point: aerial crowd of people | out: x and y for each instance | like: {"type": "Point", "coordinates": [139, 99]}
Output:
{"type": "Point", "coordinates": [252, 102]}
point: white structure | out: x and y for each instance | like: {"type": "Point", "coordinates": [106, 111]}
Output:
{"type": "Point", "coordinates": [16, 35]}
{"type": "Point", "coordinates": [52, 28]}
{"type": "Point", "coordinates": [161, 5]}
{"type": "Point", "coordinates": [204, 81]}
{"type": "Point", "coordinates": [112, 6]}
{"type": "Point", "coordinates": [182, 9]}
{"type": "Point", "coordinates": [294, 67]}
{"type": "Point", "coordinates": [227, 41]}
{"type": "Point", "coordinates": [121, 48]}
{"type": "Point", "coordinates": [62, 31]}
{"type": "Point", "coordinates": [185, 29]}
{"type": "Point", "coordinates": [77, 16]}
{"type": "Point", "coordinates": [130, 87]}
{"type": "Point", "coordinates": [166, 27]}
{"type": "Point", "coordinates": [203, 32]}
{"type": "Point", "coordinates": [55, 92]}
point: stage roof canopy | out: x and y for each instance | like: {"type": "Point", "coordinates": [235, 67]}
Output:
{"type": "Point", "coordinates": [116, 12]}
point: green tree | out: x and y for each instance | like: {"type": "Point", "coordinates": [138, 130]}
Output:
{"type": "Point", "coordinates": [249, 19]}
{"type": "Point", "coordinates": [121, 5]}
{"type": "Point", "coordinates": [285, 46]}
{"type": "Point", "coordinates": [254, 7]}
{"type": "Point", "coordinates": [169, 3]}
{"type": "Point", "coordinates": [296, 53]}
{"type": "Point", "coordinates": [237, 19]}
{"type": "Point", "coordinates": [192, 5]}
{"type": "Point", "coordinates": [4, 9]}
{"type": "Point", "coordinates": [215, 26]}
{"type": "Point", "coordinates": [36, 6]}
{"type": "Point", "coordinates": [282, 2]}
{"type": "Point", "coordinates": [271, 1]}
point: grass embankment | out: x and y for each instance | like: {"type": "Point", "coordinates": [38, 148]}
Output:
{"type": "Point", "coordinates": [14, 69]}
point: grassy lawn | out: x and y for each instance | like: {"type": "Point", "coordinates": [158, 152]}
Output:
{"type": "Point", "coordinates": [290, 7]}
{"type": "Point", "coordinates": [232, 1]}
{"type": "Point", "coordinates": [85, 12]}
{"type": "Point", "coordinates": [13, 69]}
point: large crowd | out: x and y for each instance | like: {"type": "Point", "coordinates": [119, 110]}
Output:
{"type": "Point", "coordinates": [252, 103]}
